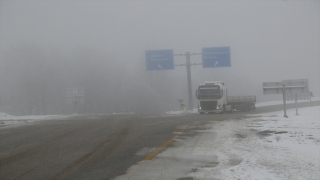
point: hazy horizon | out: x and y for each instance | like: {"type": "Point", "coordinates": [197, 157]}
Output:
{"type": "Point", "coordinates": [101, 45]}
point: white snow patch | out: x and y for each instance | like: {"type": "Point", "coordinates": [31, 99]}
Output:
{"type": "Point", "coordinates": [181, 112]}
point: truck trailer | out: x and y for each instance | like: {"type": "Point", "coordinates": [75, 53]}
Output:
{"type": "Point", "coordinates": [213, 98]}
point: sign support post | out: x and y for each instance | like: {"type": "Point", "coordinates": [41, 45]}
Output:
{"type": "Point", "coordinates": [284, 100]}
{"type": "Point", "coordinates": [75, 96]}
{"type": "Point", "coordinates": [296, 98]}
{"type": "Point", "coordinates": [188, 65]}
{"type": "Point", "coordinates": [189, 81]}
{"type": "Point", "coordinates": [288, 86]}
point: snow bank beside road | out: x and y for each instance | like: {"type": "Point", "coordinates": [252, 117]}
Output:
{"type": "Point", "coordinates": [4, 116]}
{"type": "Point", "coordinates": [180, 112]}
{"type": "Point", "coordinates": [7, 119]}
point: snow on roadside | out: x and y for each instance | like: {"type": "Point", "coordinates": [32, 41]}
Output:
{"type": "Point", "coordinates": [267, 146]}
{"type": "Point", "coordinates": [180, 112]}
{"type": "Point", "coordinates": [264, 146]}
{"type": "Point", "coordinates": [7, 119]}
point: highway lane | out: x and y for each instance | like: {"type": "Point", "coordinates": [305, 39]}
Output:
{"type": "Point", "coordinates": [96, 147]}
{"type": "Point", "coordinates": [83, 147]}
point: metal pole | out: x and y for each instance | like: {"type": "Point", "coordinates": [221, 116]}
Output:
{"type": "Point", "coordinates": [284, 100]}
{"type": "Point", "coordinates": [0, 82]}
{"type": "Point", "coordinates": [310, 100]}
{"type": "Point", "coordinates": [188, 65]}
{"type": "Point", "coordinates": [189, 80]}
{"type": "Point", "coordinates": [296, 104]}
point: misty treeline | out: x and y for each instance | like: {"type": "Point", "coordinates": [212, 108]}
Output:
{"type": "Point", "coordinates": [35, 82]}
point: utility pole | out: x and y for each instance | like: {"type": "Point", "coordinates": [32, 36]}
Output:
{"type": "Point", "coordinates": [188, 65]}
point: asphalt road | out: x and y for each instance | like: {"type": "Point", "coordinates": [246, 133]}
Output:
{"type": "Point", "coordinates": [96, 147]}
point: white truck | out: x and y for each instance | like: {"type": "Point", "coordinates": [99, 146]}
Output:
{"type": "Point", "coordinates": [213, 98]}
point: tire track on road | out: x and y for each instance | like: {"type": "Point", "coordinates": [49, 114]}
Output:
{"type": "Point", "coordinates": [35, 148]}
{"type": "Point", "coordinates": [29, 150]}
{"type": "Point", "coordinates": [96, 156]}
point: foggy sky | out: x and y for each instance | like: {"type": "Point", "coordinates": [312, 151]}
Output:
{"type": "Point", "coordinates": [269, 40]}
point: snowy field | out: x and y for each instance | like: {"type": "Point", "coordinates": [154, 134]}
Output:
{"type": "Point", "coordinates": [261, 146]}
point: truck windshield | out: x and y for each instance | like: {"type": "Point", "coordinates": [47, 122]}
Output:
{"type": "Point", "coordinates": [211, 92]}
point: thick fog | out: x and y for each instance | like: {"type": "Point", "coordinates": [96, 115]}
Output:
{"type": "Point", "coordinates": [99, 47]}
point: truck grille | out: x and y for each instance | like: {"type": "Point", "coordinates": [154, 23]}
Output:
{"type": "Point", "coordinates": [208, 105]}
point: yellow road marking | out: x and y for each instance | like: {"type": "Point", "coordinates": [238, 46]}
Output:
{"type": "Point", "coordinates": [28, 145]}
{"type": "Point", "coordinates": [132, 172]}
{"type": "Point", "coordinates": [164, 145]}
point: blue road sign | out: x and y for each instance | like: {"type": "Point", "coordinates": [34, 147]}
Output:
{"type": "Point", "coordinates": [159, 59]}
{"type": "Point", "coordinates": [216, 57]}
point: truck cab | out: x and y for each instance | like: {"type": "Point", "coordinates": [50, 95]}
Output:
{"type": "Point", "coordinates": [212, 96]}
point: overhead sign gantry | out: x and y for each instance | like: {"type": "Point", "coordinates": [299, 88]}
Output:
{"type": "Point", "coordinates": [212, 57]}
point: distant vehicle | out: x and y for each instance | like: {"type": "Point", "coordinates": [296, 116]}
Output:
{"type": "Point", "coordinates": [213, 98]}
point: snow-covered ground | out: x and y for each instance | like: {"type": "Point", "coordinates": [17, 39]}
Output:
{"type": "Point", "coordinates": [268, 147]}
{"type": "Point", "coordinates": [263, 146]}
{"type": "Point", "coordinates": [7, 120]}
